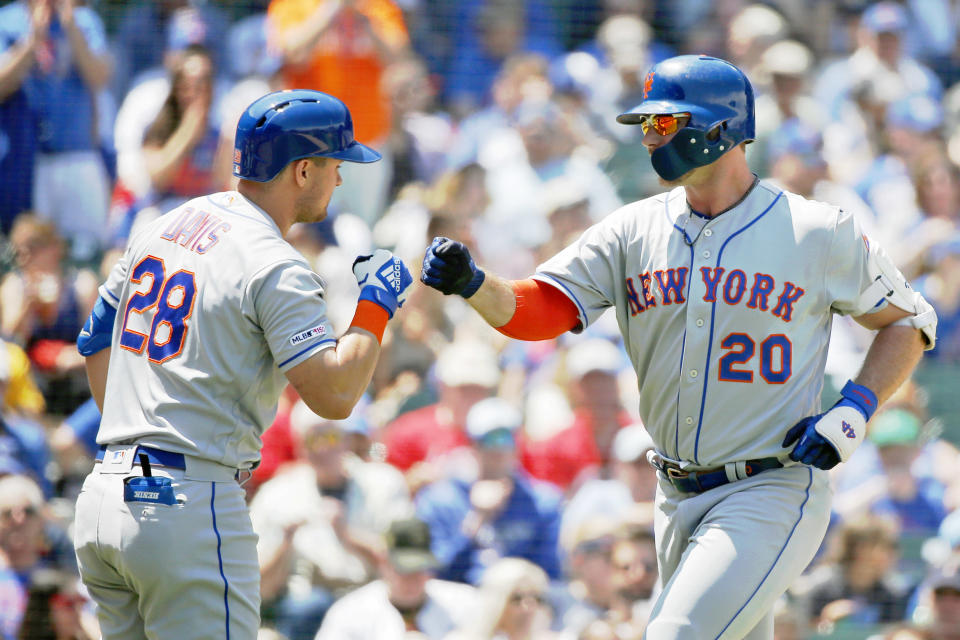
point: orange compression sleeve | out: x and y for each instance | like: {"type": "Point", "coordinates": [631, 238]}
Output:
{"type": "Point", "coordinates": [372, 317]}
{"type": "Point", "coordinates": [543, 312]}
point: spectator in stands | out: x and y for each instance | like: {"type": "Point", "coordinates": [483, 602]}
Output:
{"type": "Point", "coordinates": [500, 513]}
{"type": "Point", "coordinates": [141, 42]}
{"type": "Point", "coordinates": [185, 29]}
{"type": "Point", "coordinates": [20, 393]}
{"type": "Point", "coordinates": [914, 501]}
{"type": "Point", "coordinates": [751, 32]}
{"type": "Point", "coordinates": [905, 632]}
{"type": "Point", "coordinates": [320, 524]}
{"type": "Point", "coordinates": [941, 285]}
{"type": "Point", "coordinates": [909, 131]}
{"type": "Point", "coordinates": [43, 305]}
{"type": "Point", "coordinates": [487, 33]}
{"type": "Point", "coordinates": [859, 588]}
{"type": "Point", "coordinates": [625, 55]}
{"type": "Point", "coordinates": [794, 156]}
{"type": "Point", "coordinates": [56, 610]}
{"type": "Point", "coordinates": [342, 47]}
{"type": "Point", "coordinates": [783, 94]}
{"type": "Point", "coordinates": [181, 148]}
{"type": "Point", "coordinates": [589, 591]}
{"type": "Point", "coordinates": [592, 366]}
{"type": "Point", "coordinates": [407, 601]}
{"type": "Point", "coordinates": [511, 604]}
{"type": "Point", "coordinates": [635, 575]}
{"type": "Point", "coordinates": [879, 62]}
{"type": "Point", "coordinates": [61, 61]}
{"type": "Point", "coordinates": [430, 443]}
{"type": "Point", "coordinates": [519, 175]}
{"type": "Point", "coordinates": [24, 449]}
{"type": "Point", "coordinates": [18, 120]}
{"type": "Point", "coordinates": [419, 135]}
{"type": "Point", "coordinates": [23, 545]}
{"type": "Point", "coordinates": [522, 76]}
{"type": "Point", "coordinates": [625, 490]}
{"type": "Point", "coordinates": [945, 623]}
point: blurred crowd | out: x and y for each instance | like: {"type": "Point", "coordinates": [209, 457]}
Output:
{"type": "Point", "coordinates": [485, 488]}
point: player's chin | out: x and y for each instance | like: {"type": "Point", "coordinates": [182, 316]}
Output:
{"type": "Point", "coordinates": [676, 182]}
{"type": "Point", "coordinates": [686, 179]}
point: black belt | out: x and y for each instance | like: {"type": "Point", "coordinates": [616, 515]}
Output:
{"type": "Point", "coordinates": [155, 456]}
{"type": "Point", "coordinates": [700, 481]}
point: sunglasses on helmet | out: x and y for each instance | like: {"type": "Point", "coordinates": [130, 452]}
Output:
{"type": "Point", "coordinates": [662, 123]}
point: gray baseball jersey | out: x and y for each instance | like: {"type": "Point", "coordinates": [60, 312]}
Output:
{"type": "Point", "coordinates": [212, 307]}
{"type": "Point", "coordinates": [726, 320]}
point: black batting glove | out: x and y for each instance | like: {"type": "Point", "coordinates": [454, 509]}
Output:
{"type": "Point", "coordinates": [448, 268]}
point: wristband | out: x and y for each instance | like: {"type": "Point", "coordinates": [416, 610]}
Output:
{"type": "Point", "coordinates": [380, 296]}
{"type": "Point", "coordinates": [859, 397]}
{"type": "Point", "coordinates": [474, 284]}
{"type": "Point", "coordinates": [371, 317]}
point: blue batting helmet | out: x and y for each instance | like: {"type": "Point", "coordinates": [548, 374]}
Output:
{"type": "Point", "coordinates": [719, 99]}
{"type": "Point", "coordinates": [285, 126]}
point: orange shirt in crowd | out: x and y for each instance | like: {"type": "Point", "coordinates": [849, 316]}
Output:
{"type": "Point", "coordinates": [345, 61]}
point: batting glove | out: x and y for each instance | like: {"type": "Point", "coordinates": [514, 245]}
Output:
{"type": "Point", "coordinates": [383, 279]}
{"type": "Point", "coordinates": [827, 439]}
{"type": "Point", "coordinates": [448, 268]}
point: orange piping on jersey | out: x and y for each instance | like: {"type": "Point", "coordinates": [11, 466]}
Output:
{"type": "Point", "coordinates": [543, 312]}
{"type": "Point", "coordinates": [371, 317]}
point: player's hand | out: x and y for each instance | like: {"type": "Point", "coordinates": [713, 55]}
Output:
{"type": "Point", "coordinates": [383, 279]}
{"type": "Point", "coordinates": [812, 448]}
{"type": "Point", "coordinates": [829, 438]}
{"type": "Point", "coordinates": [40, 20]}
{"type": "Point", "coordinates": [448, 268]}
{"type": "Point", "coordinates": [65, 11]}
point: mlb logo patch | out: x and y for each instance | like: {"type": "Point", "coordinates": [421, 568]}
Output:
{"type": "Point", "coordinates": [307, 334]}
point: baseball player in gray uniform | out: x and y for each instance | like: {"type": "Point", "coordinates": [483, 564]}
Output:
{"type": "Point", "coordinates": [724, 289]}
{"type": "Point", "coordinates": [200, 325]}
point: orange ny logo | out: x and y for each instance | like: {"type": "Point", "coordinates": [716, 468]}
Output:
{"type": "Point", "coordinates": [647, 85]}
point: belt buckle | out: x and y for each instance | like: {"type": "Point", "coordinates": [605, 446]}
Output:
{"type": "Point", "coordinates": [676, 474]}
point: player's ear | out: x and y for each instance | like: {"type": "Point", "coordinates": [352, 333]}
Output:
{"type": "Point", "coordinates": [301, 169]}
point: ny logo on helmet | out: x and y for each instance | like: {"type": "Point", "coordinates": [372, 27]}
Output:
{"type": "Point", "coordinates": [647, 84]}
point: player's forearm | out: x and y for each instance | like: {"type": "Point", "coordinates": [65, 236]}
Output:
{"type": "Point", "coordinates": [97, 365]}
{"type": "Point", "coordinates": [332, 381]}
{"type": "Point", "coordinates": [494, 300]}
{"type": "Point", "coordinates": [297, 44]}
{"type": "Point", "coordinates": [891, 359]}
{"type": "Point", "coordinates": [15, 65]}
{"type": "Point", "coordinates": [162, 162]}
{"type": "Point", "coordinates": [275, 572]}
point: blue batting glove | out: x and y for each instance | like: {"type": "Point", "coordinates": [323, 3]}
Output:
{"type": "Point", "coordinates": [448, 268]}
{"type": "Point", "coordinates": [829, 438]}
{"type": "Point", "coordinates": [383, 279]}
